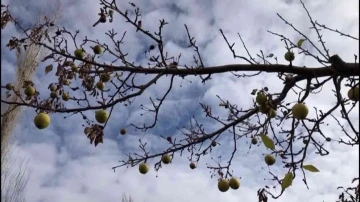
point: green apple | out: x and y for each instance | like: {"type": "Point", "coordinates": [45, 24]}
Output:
{"type": "Point", "coordinates": [289, 56]}
{"type": "Point", "coordinates": [143, 168]}
{"type": "Point", "coordinates": [42, 120]}
{"type": "Point", "coordinates": [79, 53]}
{"type": "Point", "coordinates": [223, 185]}
{"type": "Point", "coordinates": [269, 160]}
{"type": "Point", "coordinates": [97, 49]}
{"type": "Point", "coordinates": [234, 183]}
{"type": "Point", "coordinates": [166, 158]}
{"type": "Point", "coordinates": [101, 116]}
{"type": "Point", "coordinates": [300, 111]}
{"type": "Point", "coordinates": [29, 91]}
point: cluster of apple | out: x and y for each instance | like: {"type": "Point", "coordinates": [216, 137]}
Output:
{"type": "Point", "coordinates": [54, 94]}
{"type": "Point", "coordinates": [28, 90]}
{"type": "Point", "coordinates": [265, 107]}
{"type": "Point", "coordinates": [299, 111]}
{"type": "Point", "coordinates": [223, 184]}
{"type": "Point", "coordinates": [80, 54]}
{"type": "Point", "coordinates": [166, 159]}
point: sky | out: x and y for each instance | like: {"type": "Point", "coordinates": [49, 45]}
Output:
{"type": "Point", "coordinates": [65, 167]}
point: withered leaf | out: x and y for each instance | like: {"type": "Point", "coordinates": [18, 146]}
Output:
{"type": "Point", "coordinates": [48, 68]}
{"type": "Point", "coordinates": [98, 139]}
{"type": "Point", "coordinates": [59, 70]}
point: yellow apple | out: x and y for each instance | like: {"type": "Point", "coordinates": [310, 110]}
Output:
{"type": "Point", "coordinates": [234, 183]}
{"type": "Point", "coordinates": [53, 88]}
{"type": "Point", "coordinates": [54, 94]}
{"type": "Point", "coordinates": [143, 168]}
{"type": "Point", "coordinates": [101, 116]}
{"type": "Point", "coordinates": [42, 120]}
{"type": "Point", "coordinates": [223, 185]}
{"type": "Point", "coordinates": [65, 96]}
{"type": "Point", "coordinates": [300, 111]}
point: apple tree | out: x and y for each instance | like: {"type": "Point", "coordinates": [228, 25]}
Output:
{"type": "Point", "coordinates": [271, 122]}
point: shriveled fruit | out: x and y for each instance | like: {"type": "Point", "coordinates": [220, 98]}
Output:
{"type": "Point", "coordinates": [328, 139]}
{"type": "Point", "coordinates": [254, 140]}
{"type": "Point", "coordinates": [289, 56]}
{"type": "Point", "coordinates": [166, 158]}
{"type": "Point", "coordinates": [353, 94]}
{"type": "Point", "coordinates": [54, 94]}
{"type": "Point", "coordinates": [29, 91]}
{"type": "Point", "coordinates": [300, 111]}
{"type": "Point", "coordinates": [9, 86]}
{"type": "Point", "coordinates": [101, 116]}
{"type": "Point", "coordinates": [79, 53]}
{"type": "Point", "coordinates": [223, 185]}
{"type": "Point", "coordinates": [143, 168]}
{"type": "Point", "coordinates": [269, 160]}
{"type": "Point", "coordinates": [65, 96]}
{"type": "Point", "coordinates": [42, 120]}
{"type": "Point", "coordinates": [192, 165]}
{"type": "Point", "coordinates": [271, 113]}
{"type": "Point", "coordinates": [261, 98]}
{"type": "Point", "coordinates": [71, 75]}
{"type": "Point", "coordinates": [87, 130]}
{"type": "Point", "coordinates": [105, 77]}
{"type": "Point", "coordinates": [169, 139]}
{"type": "Point", "coordinates": [67, 63]}
{"type": "Point", "coordinates": [123, 131]}
{"type": "Point", "coordinates": [100, 85]}
{"type": "Point", "coordinates": [213, 143]}
{"type": "Point", "coordinates": [97, 49]}
{"type": "Point", "coordinates": [234, 183]}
